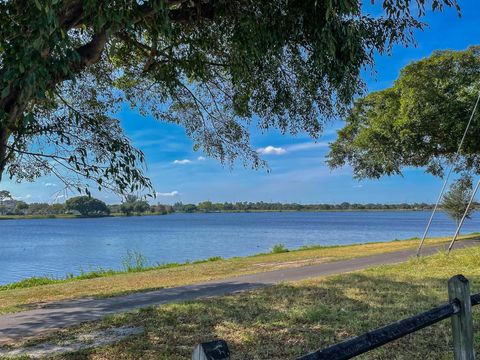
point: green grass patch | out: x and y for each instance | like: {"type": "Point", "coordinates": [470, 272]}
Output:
{"type": "Point", "coordinates": [132, 262]}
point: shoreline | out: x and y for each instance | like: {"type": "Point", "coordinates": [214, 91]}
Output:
{"type": "Point", "coordinates": [106, 283]}
{"type": "Point", "coordinates": [71, 216]}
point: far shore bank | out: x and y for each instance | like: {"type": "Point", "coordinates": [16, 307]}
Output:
{"type": "Point", "coordinates": [72, 216]}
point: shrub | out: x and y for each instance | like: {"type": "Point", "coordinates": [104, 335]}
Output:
{"type": "Point", "coordinates": [134, 261]}
{"type": "Point", "coordinates": [279, 248]}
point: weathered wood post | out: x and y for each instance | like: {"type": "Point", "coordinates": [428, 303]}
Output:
{"type": "Point", "coordinates": [213, 350]}
{"type": "Point", "coordinates": [462, 323]}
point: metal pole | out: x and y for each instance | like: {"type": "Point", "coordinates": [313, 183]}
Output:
{"type": "Point", "coordinates": [434, 211]}
{"type": "Point", "coordinates": [459, 227]}
{"type": "Point", "coordinates": [448, 175]}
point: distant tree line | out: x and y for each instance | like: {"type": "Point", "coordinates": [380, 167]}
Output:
{"type": "Point", "coordinates": [208, 206]}
{"type": "Point", "coordinates": [80, 205]}
{"type": "Point", "coordinates": [133, 205]}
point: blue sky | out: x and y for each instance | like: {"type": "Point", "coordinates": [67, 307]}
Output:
{"type": "Point", "coordinates": [298, 172]}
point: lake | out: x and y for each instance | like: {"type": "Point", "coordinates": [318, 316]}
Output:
{"type": "Point", "coordinates": [55, 247]}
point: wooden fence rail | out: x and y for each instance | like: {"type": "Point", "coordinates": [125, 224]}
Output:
{"type": "Point", "coordinates": [459, 309]}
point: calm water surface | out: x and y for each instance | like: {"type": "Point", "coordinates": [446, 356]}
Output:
{"type": "Point", "coordinates": [55, 247]}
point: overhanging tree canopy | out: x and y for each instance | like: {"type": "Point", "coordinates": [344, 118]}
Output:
{"type": "Point", "coordinates": [208, 65]}
{"type": "Point", "coordinates": [418, 122]}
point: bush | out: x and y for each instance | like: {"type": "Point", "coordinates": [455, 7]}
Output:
{"type": "Point", "coordinates": [134, 261]}
{"type": "Point", "coordinates": [278, 249]}
{"type": "Point", "coordinates": [127, 208]}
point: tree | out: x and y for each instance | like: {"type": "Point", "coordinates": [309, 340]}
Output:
{"type": "Point", "coordinates": [127, 208]}
{"type": "Point", "coordinates": [208, 65]}
{"type": "Point", "coordinates": [21, 207]}
{"type": "Point", "coordinates": [162, 209]}
{"type": "Point", "coordinates": [5, 195]}
{"type": "Point", "coordinates": [38, 209]}
{"type": "Point", "coordinates": [418, 122]}
{"type": "Point", "coordinates": [189, 208]}
{"type": "Point", "coordinates": [57, 208]}
{"type": "Point", "coordinates": [133, 204]}
{"type": "Point", "coordinates": [159, 208]}
{"type": "Point", "coordinates": [178, 206]}
{"type": "Point", "coordinates": [456, 200]}
{"type": "Point", "coordinates": [206, 206]}
{"type": "Point", "coordinates": [87, 206]}
{"type": "Point", "coordinates": [141, 206]}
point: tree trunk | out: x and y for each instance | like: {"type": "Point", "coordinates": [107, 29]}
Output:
{"type": "Point", "coordinates": [11, 106]}
{"type": "Point", "coordinates": [5, 131]}
{"type": "Point", "coordinates": [4, 135]}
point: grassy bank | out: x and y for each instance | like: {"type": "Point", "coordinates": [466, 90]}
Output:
{"type": "Point", "coordinates": [313, 210]}
{"type": "Point", "coordinates": [109, 283]}
{"type": "Point", "coordinates": [71, 216]}
{"type": "Point", "coordinates": [289, 320]}
{"type": "Point", "coordinates": [31, 217]}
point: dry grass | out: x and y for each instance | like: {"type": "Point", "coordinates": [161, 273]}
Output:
{"type": "Point", "coordinates": [20, 299]}
{"type": "Point", "coordinates": [289, 320]}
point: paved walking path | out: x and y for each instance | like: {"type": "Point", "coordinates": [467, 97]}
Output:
{"type": "Point", "coordinates": [72, 312]}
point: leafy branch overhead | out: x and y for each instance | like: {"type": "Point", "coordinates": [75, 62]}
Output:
{"type": "Point", "coordinates": [210, 66]}
{"type": "Point", "coordinates": [418, 122]}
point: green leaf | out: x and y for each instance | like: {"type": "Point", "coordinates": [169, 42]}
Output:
{"type": "Point", "coordinates": [5, 92]}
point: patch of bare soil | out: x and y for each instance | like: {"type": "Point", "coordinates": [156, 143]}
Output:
{"type": "Point", "coordinates": [79, 342]}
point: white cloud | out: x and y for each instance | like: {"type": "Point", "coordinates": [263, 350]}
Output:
{"type": "Point", "coordinates": [201, 158]}
{"type": "Point", "coordinates": [182, 162]}
{"type": "Point", "coordinates": [358, 186]}
{"type": "Point", "coordinates": [26, 197]}
{"type": "Point", "coordinates": [271, 150]}
{"type": "Point", "coordinates": [307, 146]}
{"type": "Point", "coordinates": [168, 194]}
{"type": "Point", "coordinates": [48, 184]}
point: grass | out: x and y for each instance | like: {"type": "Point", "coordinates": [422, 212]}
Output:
{"type": "Point", "coordinates": [278, 249]}
{"type": "Point", "coordinates": [101, 283]}
{"type": "Point", "coordinates": [291, 319]}
{"type": "Point", "coordinates": [73, 216]}
{"type": "Point", "coordinates": [31, 217]}
{"type": "Point", "coordinates": [132, 262]}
